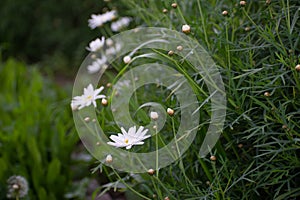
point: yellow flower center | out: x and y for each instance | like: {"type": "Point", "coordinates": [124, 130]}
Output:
{"type": "Point", "coordinates": [126, 141]}
{"type": "Point", "coordinates": [89, 97]}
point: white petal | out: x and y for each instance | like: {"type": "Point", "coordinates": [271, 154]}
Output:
{"type": "Point", "coordinates": [94, 103]}
{"type": "Point", "coordinates": [140, 130]}
{"type": "Point", "coordinates": [101, 96]}
{"type": "Point", "coordinates": [123, 131]}
{"type": "Point", "coordinates": [139, 143]}
{"type": "Point", "coordinates": [117, 138]}
{"type": "Point", "coordinates": [115, 144]}
{"type": "Point", "coordinates": [97, 91]}
{"type": "Point", "coordinates": [132, 131]}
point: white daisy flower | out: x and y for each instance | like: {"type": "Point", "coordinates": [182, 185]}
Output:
{"type": "Point", "coordinates": [99, 20]}
{"type": "Point", "coordinates": [95, 45]}
{"type": "Point", "coordinates": [130, 138]}
{"type": "Point", "coordinates": [96, 65]}
{"type": "Point", "coordinates": [121, 23]}
{"type": "Point", "coordinates": [89, 97]}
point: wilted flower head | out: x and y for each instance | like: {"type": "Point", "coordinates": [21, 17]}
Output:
{"type": "Point", "coordinates": [17, 187]}
{"type": "Point", "coordinates": [99, 20]}
{"type": "Point", "coordinates": [121, 23]}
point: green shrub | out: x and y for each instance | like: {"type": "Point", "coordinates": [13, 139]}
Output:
{"type": "Point", "coordinates": [36, 132]}
{"type": "Point", "coordinates": [257, 49]}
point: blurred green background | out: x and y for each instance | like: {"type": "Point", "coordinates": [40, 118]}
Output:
{"type": "Point", "coordinates": [42, 44]}
{"type": "Point", "coordinates": [51, 32]}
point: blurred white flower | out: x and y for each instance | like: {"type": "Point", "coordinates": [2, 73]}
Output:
{"type": "Point", "coordinates": [89, 97]}
{"type": "Point", "coordinates": [17, 187]}
{"type": "Point", "coordinates": [99, 20]}
{"type": "Point", "coordinates": [96, 65]}
{"type": "Point", "coordinates": [95, 45]}
{"type": "Point", "coordinates": [121, 23]}
{"type": "Point", "coordinates": [130, 138]}
{"type": "Point", "coordinates": [113, 49]}
{"type": "Point", "coordinates": [109, 42]}
{"type": "Point", "coordinates": [122, 84]}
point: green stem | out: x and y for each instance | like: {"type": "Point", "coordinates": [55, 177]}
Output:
{"type": "Point", "coordinates": [129, 187]}
{"type": "Point", "coordinates": [156, 144]}
{"type": "Point", "coordinates": [203, 25]}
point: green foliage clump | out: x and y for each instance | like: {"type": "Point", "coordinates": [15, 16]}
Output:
{"type": "Point", "coordinates": [257, 48]}
{"type": "Point", "coordinates": [36, 132]}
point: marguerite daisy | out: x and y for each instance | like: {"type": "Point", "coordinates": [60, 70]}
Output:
{"type": "Point", "coordinates": [96, 65]}
{"type": "Point", "coordinates": [89, 97]}
{"type": "Point", "coordinates": [95, 45]}
{"type": "Point", "coordinates": [121, 23]}
{"type": "Point", "coordinates": [130, 138]}
{"type": "Point", "coordinates": [99, 20]}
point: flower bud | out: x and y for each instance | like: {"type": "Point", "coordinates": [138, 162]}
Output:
{"type": "Point", "coordinates": [247, 28]}
{"type": "Point", "coordinates": [243, 3]}
{"type": "Point", "coordinates": [225, 13]}
{"type": "Point", "coordinates": [109, 159]}
{"type": "Point", "coordinates": [127, 59]}
{"type": "Point", "coordinates": [171, 53]}
{"type": "Point", "coordinates": [186, 28]}
{"type": "Point", "coordinates": [213, 158]}
{"type": "Point", "coordinates": [151, 171]}
{"type": "Point", "coordinates": [104, 102]}
{"type": "Point", "coordinates": [170, 111]}
{"type": "Point", "coordinates": [179, 48]}
{"type": "Point", "coordinates": [267, 94]}
{"type": "Point", "coordinates": [154, 115]}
